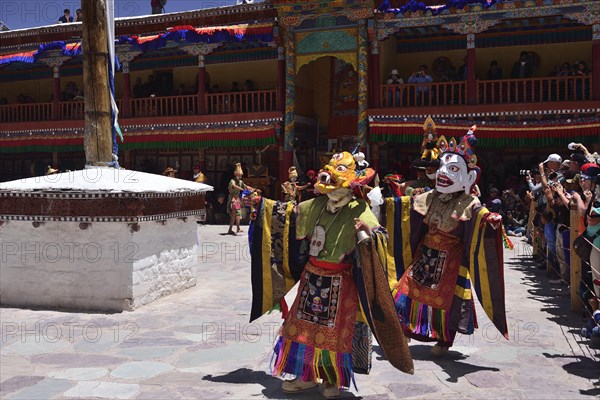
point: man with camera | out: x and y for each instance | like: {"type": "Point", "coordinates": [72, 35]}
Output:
{"type": "Point", "coordinates": [423, 78]}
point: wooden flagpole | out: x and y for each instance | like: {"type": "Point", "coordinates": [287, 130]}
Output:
{"type": "Point", "coordinates": [97, 139]}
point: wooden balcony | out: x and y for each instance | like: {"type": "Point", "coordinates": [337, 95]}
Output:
{"type": "Point", "coordinates": [423, 94]}
{"type": "Point", "coordinates": [168, 106]}
{"type": "Point", "coordinates": [495, 93]}
{"type": "Point", "coordinates": [26, 112]}
{"type": "Point", "coordinates": [538, 90]}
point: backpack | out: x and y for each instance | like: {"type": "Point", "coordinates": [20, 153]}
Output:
{"type": "Point", "coordinates": [583, 245]}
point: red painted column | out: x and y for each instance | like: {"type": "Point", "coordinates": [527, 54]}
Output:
{"type": "Point", "coordinates": [202, 159]}
{"type": "Point", "coordinates": [596, 62]}
{"type": "Point", "coordinates": [374, 159]}
{"type": "Point", "coordinates": [471, 70]}
{"type": "Point", "coordinates": [285, 158]}
{"type": "Point", "coordinates": [375, 76]}
{"type": "Point", "coordinates": [281, 79]}
{"type": "Point", "coordinates": [201, 85]}
{"type": "Point", "coordinates": [126, 91]}
{"type": "Point", "coordinates": [56, 98]}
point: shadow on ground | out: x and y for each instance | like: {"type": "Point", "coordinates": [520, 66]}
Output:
{"type": "Point", "coordinates": [556, 300]}
{"type": "Point", "coordinates": [272, 385]}
{"type": "Point", "coordinates": [451, 363]}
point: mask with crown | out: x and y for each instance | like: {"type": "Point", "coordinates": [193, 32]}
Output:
{"type": "Point", "coordinates": [458, 164]}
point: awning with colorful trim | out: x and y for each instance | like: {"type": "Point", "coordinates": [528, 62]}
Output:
{"type": "Point", "coordinates": [31, 57]}
{"type": "Point", "coordinates": [493, 134]}
{"type": "Point", "coordinates": [158, 137]}
{"type": "Point", "coordinates": [262, 32]}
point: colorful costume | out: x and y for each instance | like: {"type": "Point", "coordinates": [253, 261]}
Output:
{"type": "Point", "coordinates": [233, 202]}
{"type": "Point", "coordinates": [291, 189]}
{"type": "Point", "coordinates": [320, 338]}
{"type": "Point", "coordinates": [198, 175]}
{"type": "Point", "coordinates": [445, 246]}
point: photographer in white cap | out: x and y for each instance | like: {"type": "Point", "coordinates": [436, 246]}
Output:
{"type": "Point", "coordinates": [550, 165]}
{"type": "Point", "coordinates": [394, 94]}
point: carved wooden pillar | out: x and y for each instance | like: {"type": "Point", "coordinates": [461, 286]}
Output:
{"type": "Point", "coordinates": [596, 62]}
{"type": "Point", "coordinates": [201, 50]}
{"type": "Point", "coordinates": [126, 57]}
{"type": "Point", "coordinates": [471, 70]}
{"type": "Point", "coordinates": [375, 76]}
{"type": "Point", "coordinates": [201, 85]}
{"type": "Point", "coordinates": [281, 79]}
{"type": "Point", "coordinates": [126, 111]}
{"type": "Point", "coordinates": [56, 63]}
{"type": "Point", "coordinates": [286, 159]}
{"type": "Point", "coordinates": [202, 159]}
{"type": "Point", "coordinates": [362, 82]}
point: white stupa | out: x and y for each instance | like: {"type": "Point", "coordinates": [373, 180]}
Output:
{"type": "Point", "coordinates": [98, 239]}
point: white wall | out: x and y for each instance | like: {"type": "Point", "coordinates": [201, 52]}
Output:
{"type": "Point", "coordinates": [105, 267]}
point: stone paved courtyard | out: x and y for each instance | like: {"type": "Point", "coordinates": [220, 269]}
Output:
{"type": "Point", "coordinates": [199, 345]}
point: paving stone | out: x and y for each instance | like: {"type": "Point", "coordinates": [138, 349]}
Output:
{"type": "Point", "coordinates": [104, 390]}
{"type": "Point", "coordinates": [17, 383]}
{"type": "Point", "coordinates": [411, 389]}
{"type": "Point", "coordinates": [37, 345]}
{"type": "Point", "coordinates": [77, 360]}
{"type": "Point", "coordinates": [176, 353]}
{"type": "Point", "coordinates": [44, 389]}
{"type": "Point", "coordinates": [79, 374]}
{"type": "Point", "coordinates": [147, 353]}
{"type": "Point", "coordinates": [140, 369]}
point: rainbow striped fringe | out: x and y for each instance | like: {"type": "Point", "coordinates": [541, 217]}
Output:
{"type": "Point", "coordinates": [311, 363]}
{"type": "Point", "coordinates": [421, 319]}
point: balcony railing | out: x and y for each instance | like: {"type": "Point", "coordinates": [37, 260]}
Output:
{"type": "Point", "coordinates": [424, 94]}
{"type": "Point", "coordinates": [26, 112]}
{"type": "Point", "coordinates": [533, 90]}
{"type": "Point", "coordinates": [72, 110]}
{"type": "Point", "coordinates": [215, 103]}
{"type": "Point", "coordinates": [536, 90]}
{"type": "Point", "coordinates": [164, 106]}
{"type": "Point", "coordinates": [240, 102]}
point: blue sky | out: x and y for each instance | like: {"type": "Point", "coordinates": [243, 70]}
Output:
{"type": "Point", "coordinates": [18, 14]}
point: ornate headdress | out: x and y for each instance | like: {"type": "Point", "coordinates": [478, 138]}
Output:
{"type": "Point", "coordinates": [292, 172]}
{"type": "Point", "coordinates": [238, 169]}
{"type": "Point", "coordinates": [464, 148]}
{"type": "Point", "coordinates": [429, 151]}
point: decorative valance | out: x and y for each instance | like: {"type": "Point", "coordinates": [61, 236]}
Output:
{"type": "Point", "coordinates": [493, 134]}
{"type": "Point", "coordinates": [215, 34]}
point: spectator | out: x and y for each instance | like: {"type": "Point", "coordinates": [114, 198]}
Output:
{"type": "Point", "coordinates": [461, 74]}
{"type": "Point", "coordinates": [423, 79]}
{"type": "Point", "coordinates": [165, 88]}
{"type": "Point", "coordinates": [550, 237]}
{"type": "Point", "coordinates": [23, 99]}
{"type": "Point", "coordinates": [248, 86]}
{"type": "Point", "coordinates": [522, 68]}
{"type": "Point", "coordinates": [158, 6]}
{"type": "Point", "coordinates": [494, 72]}
{"type": "Point", "coordinates": [150, 88]}
{"type": "Point", "coordinates": [66, 18]}
{"type": "Point", "coordinates": [565, 70]}
{"type": "Point", "coordinates": [182, 91]}
{"type": "Point", "coordinates": [170, 172]}
{"type": "Point", "coordinates": [494, 195]}
{"type": "Point", "coordinates": [394, 94]}
{"type": "Point", "coordinates": [138, 89]}
{"type": "Point", "coordinates": [78, 15]}
{"type": "Point", "coordinates": [516, 221]}
{"type": "Point", "coordinates": [581, 87]}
